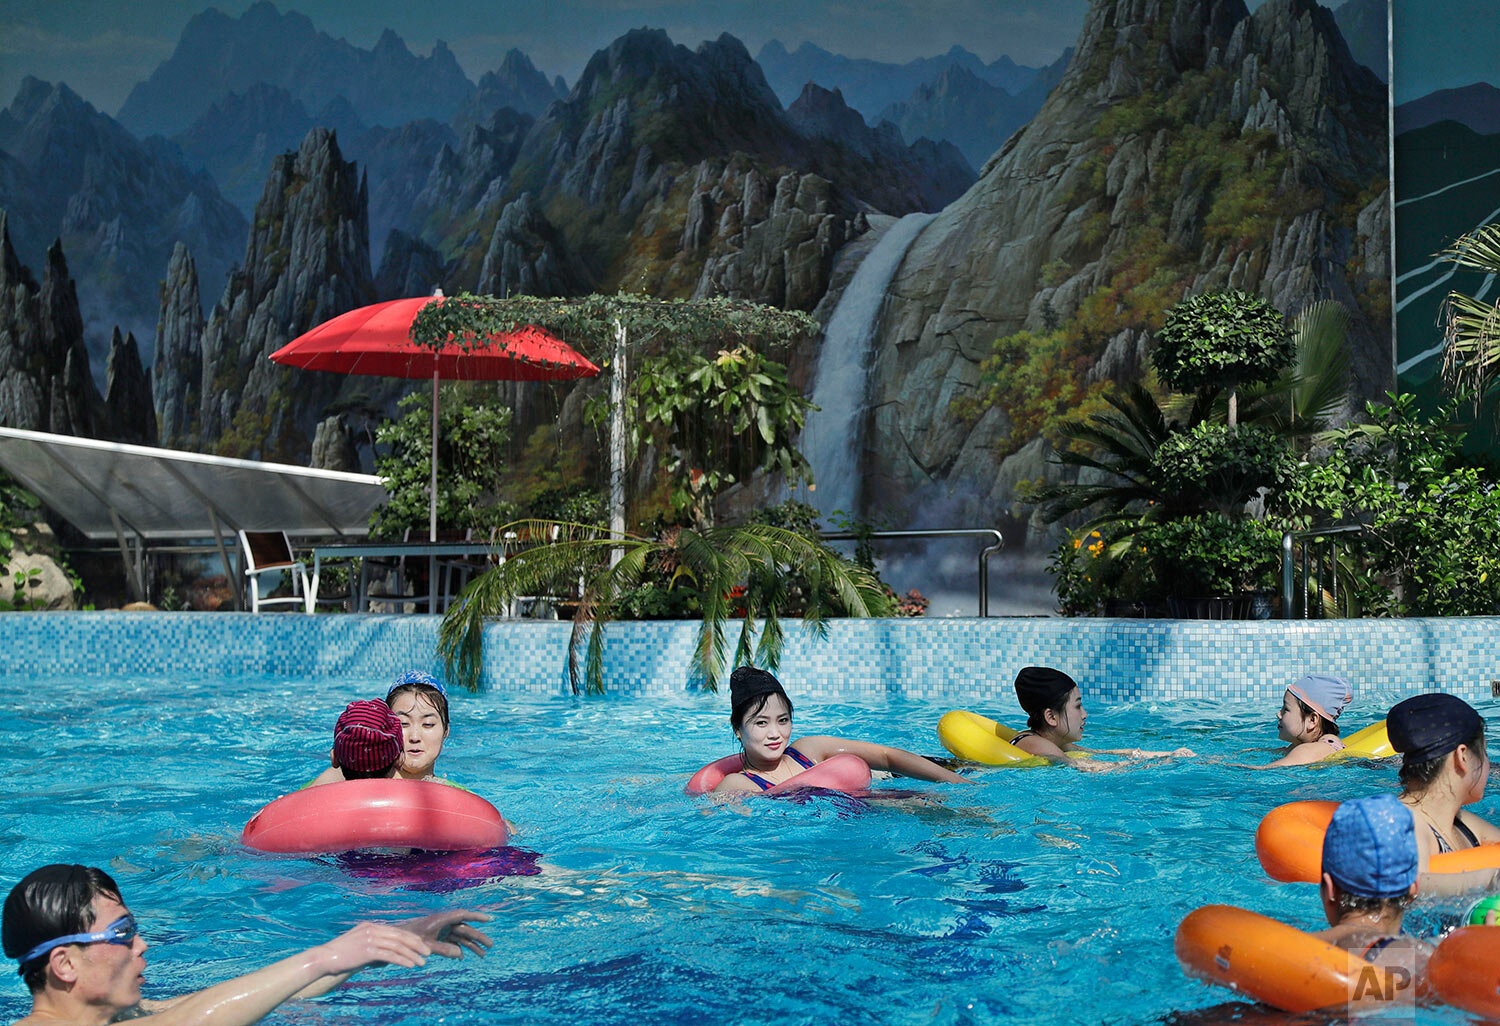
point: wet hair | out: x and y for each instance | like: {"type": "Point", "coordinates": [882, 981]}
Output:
{"type": "Point", "coordinates": [1359, 904]}
{"type": "Point", "coordinates": [1036, 719]}
{"type": "Point", "coordinates": [51, 902]}
{"type": "Point", "coordinates": [1324, 723]}
{"type": "Point", "coordinates": [438, 700]}
{"type": "Point", "coordinates": [754, 704]}
{"type": "Point", "coordinates": [1417, 777]}
{"type": "Point", "coordinates": [380, 774]}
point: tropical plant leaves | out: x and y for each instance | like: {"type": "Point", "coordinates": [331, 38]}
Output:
{"type": "Point", "coordinates": [759, 558]}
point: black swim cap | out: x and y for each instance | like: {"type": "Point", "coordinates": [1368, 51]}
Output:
{"type": "Point", "coordinates": [1427, 727]}
{"type": "Point", "coordinates": [1041, 687]}
{"type": "Point", "coordinates": [749, 682]}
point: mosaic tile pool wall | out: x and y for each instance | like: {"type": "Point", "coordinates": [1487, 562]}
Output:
{"type": "Point", "coordinates": [1118, 660]}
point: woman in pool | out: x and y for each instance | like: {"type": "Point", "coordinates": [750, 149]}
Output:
{"type": "Point", "coordinates": [1308, 720]}
{"type": "Point", "coordinates": [419, 704]}
{"type": "Point", "coordinates": [761, 715]}
{"type": "Point", "coordinates": [1055, 718]}
{"type": "Point", "coordinates": [1445, 764]}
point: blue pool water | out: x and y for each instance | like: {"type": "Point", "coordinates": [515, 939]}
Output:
{"type": "Point", "coordinates": [1041, 896]}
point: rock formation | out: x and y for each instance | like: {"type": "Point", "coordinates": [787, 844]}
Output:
{"type": "Point", "coordinates": [45, 384]}
{"type": "Point", "coordinates": [515, 84]}
{"type": "Point", "coordinates": [527, 256]}
{"type": "Point", "coordinates": [767, 243]}
{"type": "Point", "coordinates": [1190, 145]}
{"type": "Point", "coordinates": [409, 268]}
{"type": "Point", "coordinates": [621, 169]}
{"type": "Point", "coordinates": [308, 260]}
{"type": "Point", "coordinates": [334, 447]}
{"type": "Point", "coordinates": [127, 393]}
{"type": "Point", "coordinates": [177, 374]}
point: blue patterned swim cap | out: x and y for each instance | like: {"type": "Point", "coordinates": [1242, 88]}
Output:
{"type": "Point", "coordinates": [418, 677]}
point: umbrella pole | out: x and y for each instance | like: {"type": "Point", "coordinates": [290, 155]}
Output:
{"type": "Point", "coordinates": [432, 506]}
{"type": "Point", "coordinates": [432, 488]}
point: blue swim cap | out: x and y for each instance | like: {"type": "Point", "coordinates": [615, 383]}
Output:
{"type": "Point", "coordinates": [418, 677]}
{"type": "Point", "coordinates": [1370, 848]}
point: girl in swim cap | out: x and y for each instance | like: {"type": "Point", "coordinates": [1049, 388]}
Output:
{"type": "Point", "coordinates": [761, 715]}
{"type": "Point", "coordinates": [1308, 720]}
{"type": "Point", "coordinates": [1055, 718]}
{"type": "Point", "coordinates": [420, 702]}
{"type": "Point", "coordinates": [1445, 764]}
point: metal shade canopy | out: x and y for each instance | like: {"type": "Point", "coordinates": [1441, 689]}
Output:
{"type": "Point", "coordinates": [110, 490]}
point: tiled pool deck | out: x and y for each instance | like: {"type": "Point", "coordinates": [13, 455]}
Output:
{"type": "Point", "coordinates": [1117, 660]}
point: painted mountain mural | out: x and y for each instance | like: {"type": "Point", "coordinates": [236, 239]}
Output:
{"type": "Point", "coordinates": [1030, 221]}
{"type": "Point", "coordinates": [1189, 145]}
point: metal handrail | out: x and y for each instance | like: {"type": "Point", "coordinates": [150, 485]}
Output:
{"type": "Point", "coordinates": [984, 554]}
{"type": "Point", "coordinates": [1288, 566]}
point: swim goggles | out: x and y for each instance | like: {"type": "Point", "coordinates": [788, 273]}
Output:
{"type": "Point", "coordinates": [418, 677]}
{"type": "Point", "coordinates": [121, 931]}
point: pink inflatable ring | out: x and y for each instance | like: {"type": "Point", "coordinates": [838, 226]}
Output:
{"type": "Point", "coordinates": [844, 772]}
{"type": "Point", "coordinates": [376, 814]}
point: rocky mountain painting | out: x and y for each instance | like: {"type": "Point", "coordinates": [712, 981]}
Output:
{"type": "Point", "coordinates": [989, 215]}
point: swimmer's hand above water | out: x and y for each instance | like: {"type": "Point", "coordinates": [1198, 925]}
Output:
{"type": "Point", "coordinates": [448, 933]}
{"type": "Point", "coordinates": [406, 944]}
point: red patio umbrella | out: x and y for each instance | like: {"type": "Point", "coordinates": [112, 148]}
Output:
{"type": "Point", "coordinates": [376, 340]}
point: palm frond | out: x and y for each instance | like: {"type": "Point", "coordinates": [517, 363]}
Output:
{"type": "Point", "coordinates": [1478, 250]}
{"type": "Point", "coordinates": [1471, 327]}
{"type": "Point", "coordinates": [1471, 336]}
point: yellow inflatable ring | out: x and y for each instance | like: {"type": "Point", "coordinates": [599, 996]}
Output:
{"type": "Point", "coordinates": [977, 738]}
{"type": "Point", "coordinates": [1370, 743]}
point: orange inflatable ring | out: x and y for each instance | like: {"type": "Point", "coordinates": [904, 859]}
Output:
{"type": "Point", "coordinates": [844, 772]}
{"type": "Point", "coordinates": [376, 814]}
{"type": "Point", "coordinates": [1289, 843]}
{"type": "Point", "coordinates": [1465, 970]}
{"type": "Point", "coordinates": [1271, 961]}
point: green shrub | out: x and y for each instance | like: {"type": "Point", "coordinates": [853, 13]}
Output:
{"type": "Point", "coordinates": [1214, 555]}
{"type": "Point", "coordinates": [473, 428]}
{"type": "Point", "coordinates": [1219, 340]}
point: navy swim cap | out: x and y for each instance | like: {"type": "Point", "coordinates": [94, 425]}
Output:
{"type": "Point", "coordinates": [1427, 727]}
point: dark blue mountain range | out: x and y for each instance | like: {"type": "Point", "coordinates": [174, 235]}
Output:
{"type": "Point", "coordinates": [218, 55]}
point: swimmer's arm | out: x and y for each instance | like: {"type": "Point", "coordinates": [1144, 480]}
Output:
{"type": "Point", "coordinates": [882, 757]}
{"type": "Point", "coordinates": [247, 999]}
{"type": "Point", "coordinates": [445, 933]}
{"type": "Point", "coordinates": [1299, 755]}
{"type": "Point", "coordinates": [1139, 753]}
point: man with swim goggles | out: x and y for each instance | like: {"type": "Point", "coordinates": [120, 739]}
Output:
{"type": "Point", "coordinates": [121, 931]}
{"type": "Point", "coordinates": [79, 950]}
